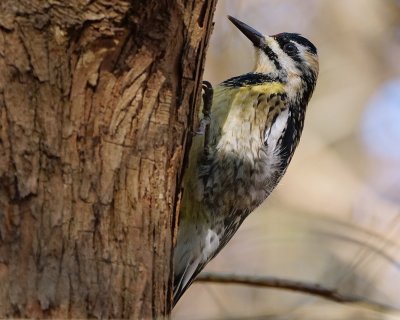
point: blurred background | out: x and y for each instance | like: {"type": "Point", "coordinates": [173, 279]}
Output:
{"type": "Point", "coordinates": [335, 217]}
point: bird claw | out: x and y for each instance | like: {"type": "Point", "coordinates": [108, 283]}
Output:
{"type": "Point", "coordinates": [207, 102]}
{"type": "Point", "coordinates": [208, 92]}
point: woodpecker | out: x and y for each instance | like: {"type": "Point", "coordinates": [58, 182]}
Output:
{"type": "Point", "coordinates": [254, 126]}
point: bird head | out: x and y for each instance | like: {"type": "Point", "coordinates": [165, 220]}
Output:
{"type": "Point", "coordinates": [288, 55]}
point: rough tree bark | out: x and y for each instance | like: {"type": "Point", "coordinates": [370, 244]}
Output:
{"type": "Point", "coordinates": [96, 102]}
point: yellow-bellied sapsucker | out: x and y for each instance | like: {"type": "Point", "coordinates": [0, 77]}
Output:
{"type": "Point", "coordinates": [255, 124]}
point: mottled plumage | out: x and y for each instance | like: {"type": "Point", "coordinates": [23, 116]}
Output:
{"type": "Point", "coordinates": [256, 123]}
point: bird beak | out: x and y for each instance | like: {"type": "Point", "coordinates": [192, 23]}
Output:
{"type": "Point", "coordinates": [254, 36]}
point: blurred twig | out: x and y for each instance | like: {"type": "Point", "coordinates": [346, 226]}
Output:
{"type": "Point", "coordinates": [299, 286]}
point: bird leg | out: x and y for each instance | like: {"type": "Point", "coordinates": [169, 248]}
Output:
{"type": "Point", "coordinates": [204, 127]}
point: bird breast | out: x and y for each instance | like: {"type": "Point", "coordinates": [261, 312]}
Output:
{"type": "Point", "coordinates": [245, 163]}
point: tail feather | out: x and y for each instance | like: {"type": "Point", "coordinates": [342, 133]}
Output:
{"type": "Point", "coordinates": [185, 279]}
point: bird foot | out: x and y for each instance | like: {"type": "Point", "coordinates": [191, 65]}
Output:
{"type": "Point", "coordinates": [207, 102]}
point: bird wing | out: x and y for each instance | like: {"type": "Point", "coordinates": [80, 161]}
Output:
{"type": "Point", "coordinates": [188, 257]}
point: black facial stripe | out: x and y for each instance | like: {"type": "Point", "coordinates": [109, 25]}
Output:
{"type": "Point", "coordinates": [296, 58]}
{"type": "Point", "coordinates": [273, 57]}
{"type": "Point", "coordinates": [283, 38]}
{"type": "Point", "coordinates": [306, 43]}
{"type": "Point", "coordinates": [250, 79]}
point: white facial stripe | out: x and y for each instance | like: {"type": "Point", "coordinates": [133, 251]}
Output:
{"type": "Point", "coordinates": [302, 49]}
{"type": "Point", "coordinates": [263, 63]}
{"type": "Point", "coordinates": [284, 58]}
{"type": "Point", "coordinates": [291, 67]}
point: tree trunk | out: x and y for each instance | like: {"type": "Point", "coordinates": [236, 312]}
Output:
{"type": "Point", "coordinates": [96, 102]}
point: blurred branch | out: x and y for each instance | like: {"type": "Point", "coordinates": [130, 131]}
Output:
{"type": "Point", "coordinates": [275, 283]}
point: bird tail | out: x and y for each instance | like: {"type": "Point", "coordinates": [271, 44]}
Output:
{"type": "Point", "coordinates": [183, 280]}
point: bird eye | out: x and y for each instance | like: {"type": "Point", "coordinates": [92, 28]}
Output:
{"type": "Point", "coordinates": [290, 48]}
